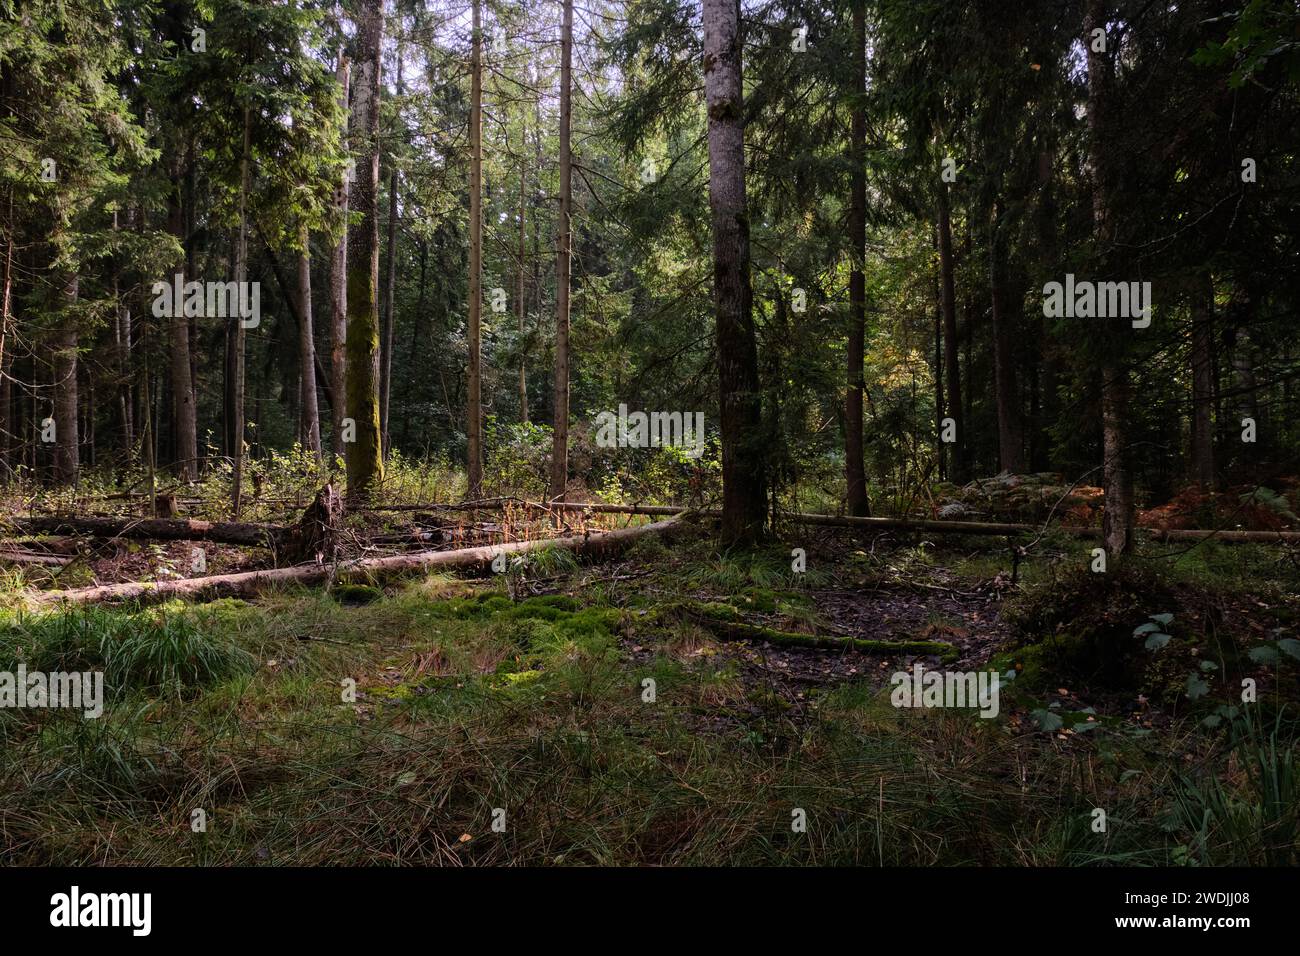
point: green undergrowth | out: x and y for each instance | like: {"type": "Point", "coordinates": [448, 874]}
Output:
{"type": "Point", "coordinates": [610, 722]}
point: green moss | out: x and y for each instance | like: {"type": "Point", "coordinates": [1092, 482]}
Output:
{"type": "Point", "coordinates": [354, 595]}
{"type": "Point", "coordinates": [519, 678]}
{"type": "Point", "coordinates": [481, 607]}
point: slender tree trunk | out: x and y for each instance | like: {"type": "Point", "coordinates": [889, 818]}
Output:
{"type": "Point", "coordinates": [563, 262]}
{"type": "Point", "coordinates": [339, 286]}
{"type": "Point", "coordinates": [1203, 380]}
{"type": "Point", "coordinates": [390, 288]}
{"type": "Point", "coordinates": [1011, 438]}
{"type": "Point", "coordinates": [122, 362]}
{"type": "Point", "coordinates": [88, 410]}
{"type": "Point", "coordinates": [237, 362]}
{"type": "Point", "coordinates": [854, 474]}
{"type": "Point", "coordinates": [6, 357]}
{"type": "Point", "coordinates": [146, 419]}
{"type": "Point", "coordinates": [474, 384]}
{"type": "Point", "coordinates": [184, 423]}
{"type": "Point", "coordinates": [537, 218]}
{"type": "Point", "coordinates": [386, 376]}
{"type": "Point", "coordinates": [948, 302]}
{"type": "Point", "coordinates": [67, 341]}
{"type": "Point", "coordinates": [1117, 523]}
{"type": "Point", "coordinates": [307, 349]}
{"type": "Point", "coordinates": [365, 455]}
{"type": "Point", "coordinates": [520, 305]}
{"type": "Point", "coordinates": [939, 444]}
{"type": "Point", "coordinates": [743, 476]}
{"type": "Point", "coordinates": [417, 326]}
{"type": "Point", "coordinates": [1243, 376]}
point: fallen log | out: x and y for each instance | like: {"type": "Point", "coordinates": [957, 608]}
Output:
{"type": "Point", "coordinates": [726, 622]}
{"type": "Point", "coordinates": [32, 557]}
{"type": "Point", "coordinates": [935, 527]}
{"type": "Point", "coordinates": [1228, 537]}
{"type": "Point", "coordinates": [248, 583]}
{"type": "Point", "coordinates": [162, 529]}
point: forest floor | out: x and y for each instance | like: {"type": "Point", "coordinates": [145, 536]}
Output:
{"type": "Point", "coordinates": [674, 707]}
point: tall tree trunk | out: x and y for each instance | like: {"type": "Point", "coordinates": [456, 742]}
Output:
{"type": "Point", "coordinates": [563, 261]}
{"type": "Point", "coordinates": [948, 302]}
{"type": "Point", "coordinates": [855, 476]}
{"type": "Point", "coordinates": [390, 288]}
{"type": "Point", "coordinates": [1203, 380]}
{"type": "Point", "coordinates": [1117, 522]}
{"type": "Point", "coordinates": [66, 438]}
{"type": "Point", "coordinates": [237, 361]}
{"type": "Point", "coordinates": [6, 356]}
{"type": "Point", "coordinates": [940, 455]}
{"type": "Point", "coordinates": [1011, 437]}
{"type": "Point", "coordinates": [743, 474]}
{"type": "Point", "coordinates": [1243, 377]}
{"type": "Point", "coordinates": [520, 305]}
{"type": "Point", "coordinates": [339, 285]}
{"type": "Point", "coordinates": [307, 349]}
{"type": "Point", "coordinates": [184, 423]}
{"type": "Point", "coordinates": [417, 326]}
{"type": "Point", "coordinates": [365, 461]}
{"type": "Point", "coordinates": [474, 385]}
{"type": "Point", "coordinates": [386, 349]}
{"type": "Point", "coordinates": [121, 361]}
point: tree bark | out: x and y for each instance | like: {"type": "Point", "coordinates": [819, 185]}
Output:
{"type": "Point", "coordinates": [1117, 520]}
{"type": "Point", "coordinates": [365, 463]}
{"type": "Point", "coordinates": [520, 305]}
{"type": "Point", "coordinates": [948, 302]}
{"type": "Point", "coordinates": [184, 421]}
{"type": "Point", "coordinates": [743, 474]}
{"type": "Point", "coordinates": [339, 284]}
{"type": "Point", "coordinates": [237, 363]}
{"type": "Point", "coordinates": [386, 376]}
{"type": "Point", "coordinates": [563, 261]}
{"type": "Point", "coordinates": [307, 349]}
{"type": "Point", "coordinates": [6, 357]}
{"type": "Point", "coordinates": [66, 343]}
{"type": "Point", "coordinates": [474, 384]}
{"type": "Point", "coordinates": [1011, 436]}
{"type": "Point", "coordinates": [854, 473]}
{"type": "Point", "coordinates": [1203, 381]}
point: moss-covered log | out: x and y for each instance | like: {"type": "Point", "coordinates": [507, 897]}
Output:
{"type": "Point", "coordinates": [727, 622]}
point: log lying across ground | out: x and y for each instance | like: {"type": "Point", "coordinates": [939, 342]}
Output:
{"type": "Point", "coordinates": [32, 557]}
{"type": "Point", "coordinates": [156, 529]}
{"type": "Point", "coordinates": [934, 527]}
{"type": "Point", "coordinates": [997, 528]}
{"type": "Point", "coordinates": [273, 536]}
{"type": "Point", "coordinates": [247, 583]}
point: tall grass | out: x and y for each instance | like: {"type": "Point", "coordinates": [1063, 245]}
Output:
{"type": "Point", "coordinates": [148, 650]}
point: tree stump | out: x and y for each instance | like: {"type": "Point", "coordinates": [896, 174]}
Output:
{"type": "Point", "coordinates": [316, 535]}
